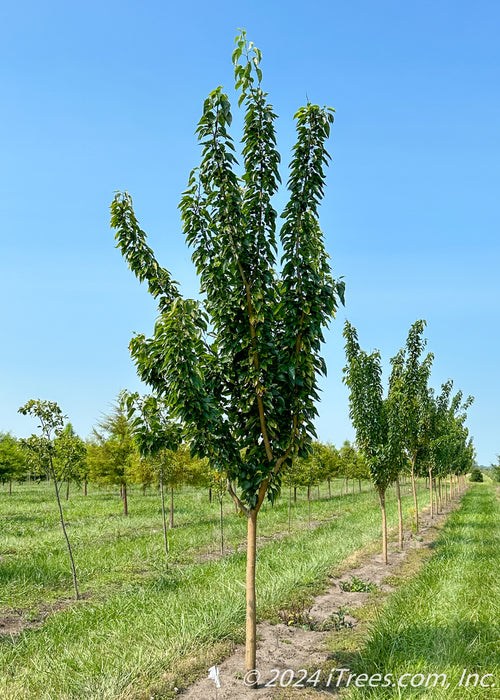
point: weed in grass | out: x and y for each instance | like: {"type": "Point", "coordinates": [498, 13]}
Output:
{"type": "Point", "coordinates": [357, 585]}
{"type": "Point", "coordinates": [336, 621]}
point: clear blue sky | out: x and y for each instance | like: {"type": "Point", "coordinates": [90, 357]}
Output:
{"type": "Point", "coordinates": [101, 96]}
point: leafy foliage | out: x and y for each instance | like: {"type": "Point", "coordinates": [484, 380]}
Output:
{"type": "Point", "coordinates": [238, 370]}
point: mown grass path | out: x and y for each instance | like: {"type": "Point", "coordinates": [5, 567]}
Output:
{"type": "Point", "coordinates": [124, 639]}
{"type": "Point", "coordinates": [447, 619]}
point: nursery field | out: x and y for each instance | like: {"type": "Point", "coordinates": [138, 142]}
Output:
{"type": "Point", "coordinates": [438, 636]}
{"type": "Point", "coordinates": [145, 627]}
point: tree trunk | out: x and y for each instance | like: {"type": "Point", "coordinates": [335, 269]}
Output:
{"type": "Point", "coordinates": [290, 508]}
{"type": "Point", "coordinates": [309, 506]}
{"type": "Point", "coordinates": [124, 497]}
{"type": "Point", "coordinates": [251, 615]}
{"type": "Point", "coordinates": [85, 488]}
{"type": "Point", "coordinates": [400, 515]}
{"type": "Point", "coordinates": [164, 519]}
{"type": "Point", "coordinates": [221, 527]}
{"type": "Point", "coordinates": [295, 494]}
{"type": "Point", "coordinates": [432, 495]}
{"type": "Point", "coordinates": [210, 495]}
{"type": "Point", "coordinates": [10, 487]}
{"type": "Point", "coordinates": [359, 482]}
{"type": "Point", "coordinates": [414, 491]}
{"type": "Point", "coordinates": [73, 570]}
{"type": "Point", "coordinates": [384, 525]}
{"type": "Point", "coordinates": [171, 518]}
{"type": "Point", "coordinates": [440, 491]}
{"type": "Point", "coordinates": [329, 489]}
{"type": "Point", "coordinates": [347, 486]}
{"type": "Point", "coordinates": [67, 490]}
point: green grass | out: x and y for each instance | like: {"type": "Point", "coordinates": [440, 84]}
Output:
{"type": "Point", "coordinates": [141, 619]}
{"type": "Point", "coordinates": [446, 619]}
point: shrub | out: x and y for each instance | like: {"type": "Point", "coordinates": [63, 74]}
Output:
{"type": "Point", "coordinates": [476, 475]}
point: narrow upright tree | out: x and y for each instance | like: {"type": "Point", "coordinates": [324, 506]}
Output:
{"type": "Point", "coordinates": [157, 438]}
{"type": "Point", "coordinates": [239, 368]}
{"type": "Point", "coordinates": [42, 447]}
{"type": "Point", "coordinates": [414, 401]}
{"type": "Point", "coordinates": [376, 435]}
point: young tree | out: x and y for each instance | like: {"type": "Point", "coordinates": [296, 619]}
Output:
{"type": "Point", "coordinates": [115, 454]}
{"type": "Point", "coordinates": [70, 456]}
{"type": "Point", "coordinates": [414, 400]}
{"type": "Point", "coordinates": [239, 368]}
{"type": "Point", "coordinates": [375, 435]}
{"type": "Point", "coordinates": [43, 449]}
{"type": "Point", "coordinates": [13, 461]}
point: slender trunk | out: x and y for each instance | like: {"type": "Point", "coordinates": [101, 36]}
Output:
{"type": "Point", "coordinates": [221, 527]}
{"type": "Point", "coordinates": [121, 492]}
{"type": "Point", "coordinates": [125, 502]}
{"type": "Point", "coordinates": [384, 525]}
{"type": "Point", "coordinates": [440, 491]}
{"type": "Point", "coordinates": [414, 491]}
{"type": "Point", "coordinates": [144, 489]}
{"type": "Point", "coordinates": [432, 495]}
{"type": "Point", "coordinates": [309, 506]}
{"type": "Point", "coordinates": [67, 490]}
{"type": "Point", "coordinates": [171, 518]}
{"type": "Point", "coordinates": [295, 494]}
{"type": "Point", "coordinates": [251, 614]}
{"type": "Point", "coordinates": [451, 487]}
{"type": "Point", "coordinates": [318, 493]}
{"type": "Point", "coordinates": [10, 487]}
{"type": "Point", "coordinates": [290, 508]}
{"type": "Point", "coordinates": [73, 570]}
{"type": "Point", "coordinates": [359, 482]}
{"type": "Point", "coordinates": [400, 515]}
{"type": "Point", "coordinates": [164, 519]}
{"type": "Point", "coordinates": [347, 486]}
{"type": "Point", "coordinates": [85, 488]}
{"type": "Point", "coordinates": [210, 495]}
{"type": "Point", "coordinates": [329, 489]}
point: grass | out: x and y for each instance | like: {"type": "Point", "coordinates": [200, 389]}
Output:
{"type": "Point", "coordinates": [146, 628]}
{"type": "Point", "coordinates": [447, 618]}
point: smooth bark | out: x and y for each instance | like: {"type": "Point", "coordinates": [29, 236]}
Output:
{"type": "Point", "coordinates": [125, 501]}
{"type": "Point", "coordinates": [381, 494]}
{"type": "Point", "coordinates": [73, 569]}
{"type": "Point", "coordinates": [414, 491]}
{"type": "Point", "coordinates": [164, 517]}
{"type": "Point", "coordinates": [251, 609]}
{"type": "Point", "coordinates": [400, 515]}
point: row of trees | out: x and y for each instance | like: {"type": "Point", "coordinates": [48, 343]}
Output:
{"type": "Point", "coordinates": [409, 427]}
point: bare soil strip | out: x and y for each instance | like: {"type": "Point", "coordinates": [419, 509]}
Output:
{"type": "Point", "coordinates": [282, 646]}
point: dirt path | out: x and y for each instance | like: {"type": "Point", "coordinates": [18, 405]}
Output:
{"type": "Point", "coordinates": [284, 647]}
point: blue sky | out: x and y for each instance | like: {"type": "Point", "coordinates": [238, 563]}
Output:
{"type": "Point", "coordinates": [98, 97]}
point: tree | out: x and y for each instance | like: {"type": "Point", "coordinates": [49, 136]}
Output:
{"type": "Point", "coordinates": [115, 454]}
{"type": "Point", "coordinates": [43, 449]}
{"type": "Point", "coordinates": [239, 368]}
{"type": "Point", "coordinates": [414, 400]}
{"type": "Point", "coordinates": [376, 434]}
{"type": "Point", "coordinates": [12, 459]}
{"type": "Point", "coordinates": [70, 456]}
